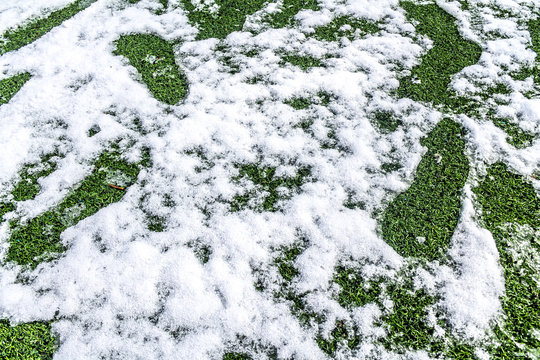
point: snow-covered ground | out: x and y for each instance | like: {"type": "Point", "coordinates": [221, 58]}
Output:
{"type": "Point", "coordinates": [120, 290]}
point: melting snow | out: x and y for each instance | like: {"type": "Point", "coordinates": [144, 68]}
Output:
{"type": "Point", "coordinates": [121, 289]}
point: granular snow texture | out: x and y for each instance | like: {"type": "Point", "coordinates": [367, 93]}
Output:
{"type": "Point", "coordinates": [289, 179]}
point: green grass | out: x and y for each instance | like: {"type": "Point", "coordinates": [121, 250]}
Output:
{"type": "Point", "coordinates": [201, 250]}
{"type": "Point", "coordinates": [28, 187]}
{"type": "Point", "coordinates": [155, 222]}
{"type": "Point", "coordinates": [406, 324]}
{"type": "Point", "coordinates": [27, 33]}
{"type": "Point", "coordinates": [355, 290]}
{"type": "Point", "coordinates": [236, 356]}
{"type": "Point", "coordinates": [266, 181]}
{"type": "Point", "coordinates": [300, 103]}
{"type": "Point", "coordinates": [30, 341]}
{"type": "Point", "coordinates": [339, 336]}
{"type": "Point", "coordinates": [230, 17]}
{"type": "Point", "coordinates": [517, 137]}
{"type": "Point", "coordinates": [534, 31]}
{"type": "Point", "coordinates": [304, 62]}
{"type": "Point", "coordinates": [165, 6]}
{"type": "Point", "coordinates": [153, 58]}
{"type": "Point", "coordinates": [428, 82]}
{"type": "Point", "coordinates": [428, 210]}
{"type": "Point", "coordinates": [408, 327]}
{"type": "Point", "coordinates": [94, 130]}
{"type": "Point", "coordinates": [386, 122]}
{"type": "Point", "coordinates": [420, 221]}
{"type": "Point", "coordinates": [32, 242]}
{"type": "Point", "coordinates": [5, 207]}
{"type": "Point", "coordinates": [10, 86]}
{"type": "Point", "coordinates": [286, 261]}
{"type": "Point", "coordinates": [229, 61]}
{"type": "Point", "coordinates": [345, 26]}
{"type": "Point", "coordinates": [288, 10]}
{"type": "Point", "coordinates": [511, 211]}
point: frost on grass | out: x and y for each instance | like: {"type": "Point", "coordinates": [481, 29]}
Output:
{"type": "Point", "coordinates": [167, 268]}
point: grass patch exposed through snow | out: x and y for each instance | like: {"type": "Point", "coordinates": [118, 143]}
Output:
{"type": "Point", "coordinates": [420, 221]}
{"type": "Point", "coordinates": [229, 16]}
{"type": "Point", "coordinates": [10, 86]}
{"type": "Point", "coordinates": [285, 17]}
{"type": "Point", "coordinates": [272, 188]}
{"type": "Point", "coordinates": [407, 322]}
{"type": "Point", "coordinates": [154, 59]}
{"type": "Point", "coordinates": [417, 223]}
{"type": "Point", "coordinates": [450, 53]}
{"type": "Point", "coordinates": [25, 34]}
{"type": "Point", "coordinates": [236, 356]}
{"type": "Point", "coordinates": [345, 26]}
{"type": "Point", "coordinates": [511, 211]}
{"type": "Point", "coordinates": [30, 241]}
{"type": "Point", "coordinates": [300, 103]}
{"type": "Point", "coordinates": [31, 341]}
{"type": "Point", "coordinates": [517, 137]}
{"type": "Point", "coordinates": [304, 62]}
{"type": "Point", "coordinates": [28, 187]}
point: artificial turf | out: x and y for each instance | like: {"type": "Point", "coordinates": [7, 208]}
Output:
{"type": "Point", "coordinates": [5, 207]}
{"type": "Point", "coordinates": [286, 261]}
{"type": "Point", "coordinates": [420, 221]}
{"type": "Point", "coordinates": [534, 30]}
{"type": "Point", "coordinates": [428, 210]}
{"type": "Point", "coordinates": [428, 82]}
{"type": "Point", "coordinates": [268, 185]}
{"type": "Point", "coordinates": [236, 356]}
{"type": "Point", "coordinates": [299, 103]}
{"type": "Point", "coordinates": [28, 187]}
{"type": "Point", "coordinates": [356, 291]}
{"type": "Point", "coordinates": [27, 33]}
{"type": "Point", "coordinates": [11, 85]}
{"type": "Point", "coordinates": [386, 122]}
{"type": "Point", "coordinates": [511, 211]}
{"type": "Point", "coordinates": [33, 241]}
{"type": "Point", "coordinates": [406, 324]}
{"type": "Point", "coordinates": [154, 59]}
{"type": "Point", "coordinates": [285, 17]}
{"type": "Point", "coordinates": [345, 26]}
{"type": "Point", "coordinates": [30, 341]}
{"type": "Point", "coordinates": [304, 62]}
{"type": "Point", "coordinates": [516, 136]}
{"type": "Point", "coordinates": [229, 17]}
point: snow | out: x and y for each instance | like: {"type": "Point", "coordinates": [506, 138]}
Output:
{"type": "Point", "coordinates": [116, 275]}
